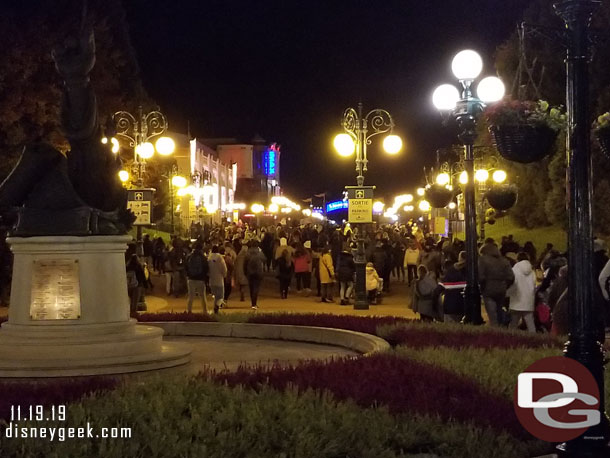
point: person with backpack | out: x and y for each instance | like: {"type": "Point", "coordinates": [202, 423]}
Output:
{"type": "Point", "coordinates": [135, 282]}
{"type": "Point", "coordinates": [217, 273]}
{"type": "Point", "coordinates": [197, 273]}
{"type": "Point", "coordinates": [254, 268]}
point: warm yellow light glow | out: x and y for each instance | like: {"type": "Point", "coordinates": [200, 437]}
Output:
{"type": "Point", "coordinates": [257, 208]}
{"type": "Point", "coordinates": [499, 176]}
{"type": "Point", "coordinates": [344, 144]}
{"type": "Point", "coordinates": [145, 150]}
{"type": "Point", "coordinates": [391, 211]}
{"type": "Point", "coordinates": [307, 212]}
{"type": "Point", "coordinates": [481, 175]}
{"type": "Point", "coordinates": [104, 140]}
{"type": "Point", "coordinates": [408, 208]}
{"type": "Point", "coordinates": [274, 208]}
{"type": "Point", "coordinates": [378, 206]}
{"type": "Point", "coordinates": [124, 176]}
{"type": "Point", "coordinates": [424, 206]}
{"type": "Point", "coordinates": [182, 192]}
{"type": "Point", "coordinates": [392, 144]}
{"type": "Point", "coordinates": [452, 205]}
{"type": "Point", "coordinates": [165, 146]}
{"type": "Point", "coordinates": [443, 178]}
{"type": "Point", "coordinates": [115, 145]}
{"type": "Point", "coordinates": [463, 177]}
{"type": "Point", "coordinates": [421, 191]}
{"type": "Point", "coordinates": [178, 181]}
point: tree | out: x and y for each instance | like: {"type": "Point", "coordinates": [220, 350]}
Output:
{"type": "Point", "coordinates": [30, 89]}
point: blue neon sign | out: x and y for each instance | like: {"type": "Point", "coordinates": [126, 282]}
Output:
{"type": "Point", "coordinates": [336, 206]}
{"type": "Point", "coordinates": [270, 159]}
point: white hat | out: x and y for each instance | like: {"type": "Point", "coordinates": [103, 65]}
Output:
{"type": "Point", "coordinates": [283, 241]}
{"type": "Point", "coordinates": [307, 244]}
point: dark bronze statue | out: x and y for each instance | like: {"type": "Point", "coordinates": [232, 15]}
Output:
{"type": "Point", "coordinates": [49, 193]}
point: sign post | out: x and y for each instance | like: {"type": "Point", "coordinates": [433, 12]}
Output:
{"type": "Point", "coordinates": [360, 212]}
{"type": "Point", "coordinates": [139, 201]}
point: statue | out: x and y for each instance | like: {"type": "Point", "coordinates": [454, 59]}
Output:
{"type": "Point", "coordinates": [49, 193]}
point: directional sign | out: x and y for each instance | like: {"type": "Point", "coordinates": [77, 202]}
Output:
{"type": "Point", "coordinates": [360, 211]}
{"type": "Point", "coordinates": [139, 201]}
{"type": "Point", "coordinates": [356, 192]}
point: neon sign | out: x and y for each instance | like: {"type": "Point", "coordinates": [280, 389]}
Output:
{"type": "Point", "coordinates": [336, 206]}
{"type": "Point", "coordinates": [270, 160]}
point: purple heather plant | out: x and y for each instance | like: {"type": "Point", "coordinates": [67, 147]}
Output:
{"type": "Point", "coordinates": [402, 385]}
{"type": "Point", "coordinates": [366, 324]}
{"type": "Point", "coordinates": [170, 316]}
{"type": "Point", "coordinates": [54, 392]}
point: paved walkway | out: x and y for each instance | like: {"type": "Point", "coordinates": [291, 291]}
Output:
{"type": "Point", "coordinates": [228, 352]}
{"type": "Point", "coordinates": [393, 304]}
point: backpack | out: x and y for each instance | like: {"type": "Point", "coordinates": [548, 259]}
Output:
{"type": "Point", "coordinates": [196, 266]}
{"type": "Point", "coordinates": [132, 279]}
{"type": "Point", "coordinates": [254, 266]}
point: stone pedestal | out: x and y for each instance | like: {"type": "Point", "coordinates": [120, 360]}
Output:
{"type": "Point", "coordinates": [69, 312]}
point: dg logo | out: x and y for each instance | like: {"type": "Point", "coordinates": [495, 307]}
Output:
{"type": "Point", "coordinates": [557, 399]}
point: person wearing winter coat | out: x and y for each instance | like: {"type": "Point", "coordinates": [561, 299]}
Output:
{"type": "Point", "coordinates": [411, 261]}
{"type": "Point", "coordinates": [495, 276]}
{"type": "Point", "coordinates": [372, 283]}
{"type": "Point", "coordinates": [254, 267]}
{"type": "Point", "coordinates": [327, 275]}
{"type": "Point", "coordinates": [239, 272]}
{"type": "Point", "coordinates": [217, 272]}
{"type": "Point", "coordinates": [285, 269]}
{"type": "Point", "coordinates": [522, 293]}
{"type": "Point", "coordinates": [453, 281]}
{"type": "Point", "coordinates": [423, 297]}
{"type": "Point", "coordinates": [302, 269]}
{"type": "Point", "coordinates": [346, 269]}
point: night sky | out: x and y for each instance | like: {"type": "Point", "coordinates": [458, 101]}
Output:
{"type": "Point", "coordinates": [287, 69]}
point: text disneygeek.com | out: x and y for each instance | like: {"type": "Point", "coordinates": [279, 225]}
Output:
{"type": "Point", "coordinates": [61, 433]}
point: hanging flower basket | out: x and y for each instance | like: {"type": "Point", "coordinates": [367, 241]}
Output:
{"type": "Point", "coordinates": [524, 132]}
{"type": "Point", "coordinates": [502, 196]}
{"type": "Point", "coordinates": [603, 138]}
{"type": "Point", "coordinates": [523, 143]}
{"type": "Point", "coordinates": [438, 196]}
{"type": "Point", "coordinates": [601, 129]}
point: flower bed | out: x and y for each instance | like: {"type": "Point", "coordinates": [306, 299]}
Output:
{"type": "Point", "coordinates": [366, 324]}
{"type": "Point", "coordinates": [52, 392]}
{"type": "Point", "coordinates": [421, 335]}
{"type": "Point", "coordinates": [401, 384]}
{"type": "Point", "coordinates": [170, 316]}
{"type": "Point", "coordinates": [194, 418]}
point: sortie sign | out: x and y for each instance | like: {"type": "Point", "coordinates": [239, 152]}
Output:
{"type": "Point", "coordinates": [360, 211]}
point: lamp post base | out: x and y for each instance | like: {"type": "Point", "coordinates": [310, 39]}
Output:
{"type": "Point", "coordinates": [472, 302]}
{"type": "Point", "coordinates": [361, 302]}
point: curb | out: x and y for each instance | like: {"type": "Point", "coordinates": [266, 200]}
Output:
{"type": "Point", "coordinates": [360, 342]}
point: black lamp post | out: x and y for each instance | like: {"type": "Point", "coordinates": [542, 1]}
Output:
{"type": "Point", "coordinates": [586, 333]}
{"type": "Point", "coordinates": [359, 129]}
{"type": "Point", "coordinates": [466, 108]}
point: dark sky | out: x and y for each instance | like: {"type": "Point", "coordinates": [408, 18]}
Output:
{"type": "Point", "coordinates": [287, 69]}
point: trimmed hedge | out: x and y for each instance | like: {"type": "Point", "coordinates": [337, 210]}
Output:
{"type": "Point", "coordinates": [422, 335]}
{"type": "Point", "coordinates": [194, 418]}
{"type": "Point", "coordinates": [401, 384]}
{"type": "Point", "coordinates": [366, 324]}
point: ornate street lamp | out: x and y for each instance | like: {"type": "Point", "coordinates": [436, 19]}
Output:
{"type": "Point", "coordinates": [585, 342]}
{"type": "Point", "coordinates": [467, 66]}
{"type": "Point", "coordinates": [359, 130]}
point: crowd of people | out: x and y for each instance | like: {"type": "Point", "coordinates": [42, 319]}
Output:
{"type": "Point", "coordinates": [519, 286]}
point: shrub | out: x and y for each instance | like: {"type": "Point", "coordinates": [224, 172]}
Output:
{"type": "Point", "coordinates": [192, 418]}
{"type": "Point", "coordinates": [49, 392]}
{"type": "Point", "coordinates": [403, 385]}
{"type": "Point", "coordinates": [171, 316]}
{"type": "Point", "coordinates": [366, 324]}
{"type": "Point", "coordinates": [421, 335]}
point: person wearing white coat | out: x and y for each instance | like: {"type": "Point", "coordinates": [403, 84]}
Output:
{"type": "Point", "coordinates": [522, 293]}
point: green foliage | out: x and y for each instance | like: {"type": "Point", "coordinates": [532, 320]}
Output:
{"type": "Point", "coordinates": [194, 418]}
{"type": "Point", "coordinates": [30, 89]}
{"type": "Point", "coordinates": [495, 369]}
{"type": "Point", "coordinates": [539, 236]}
{"type": "Point", "coordinates": [517, 112]}
{"type": "Point", "coordinates": [602, 121]}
